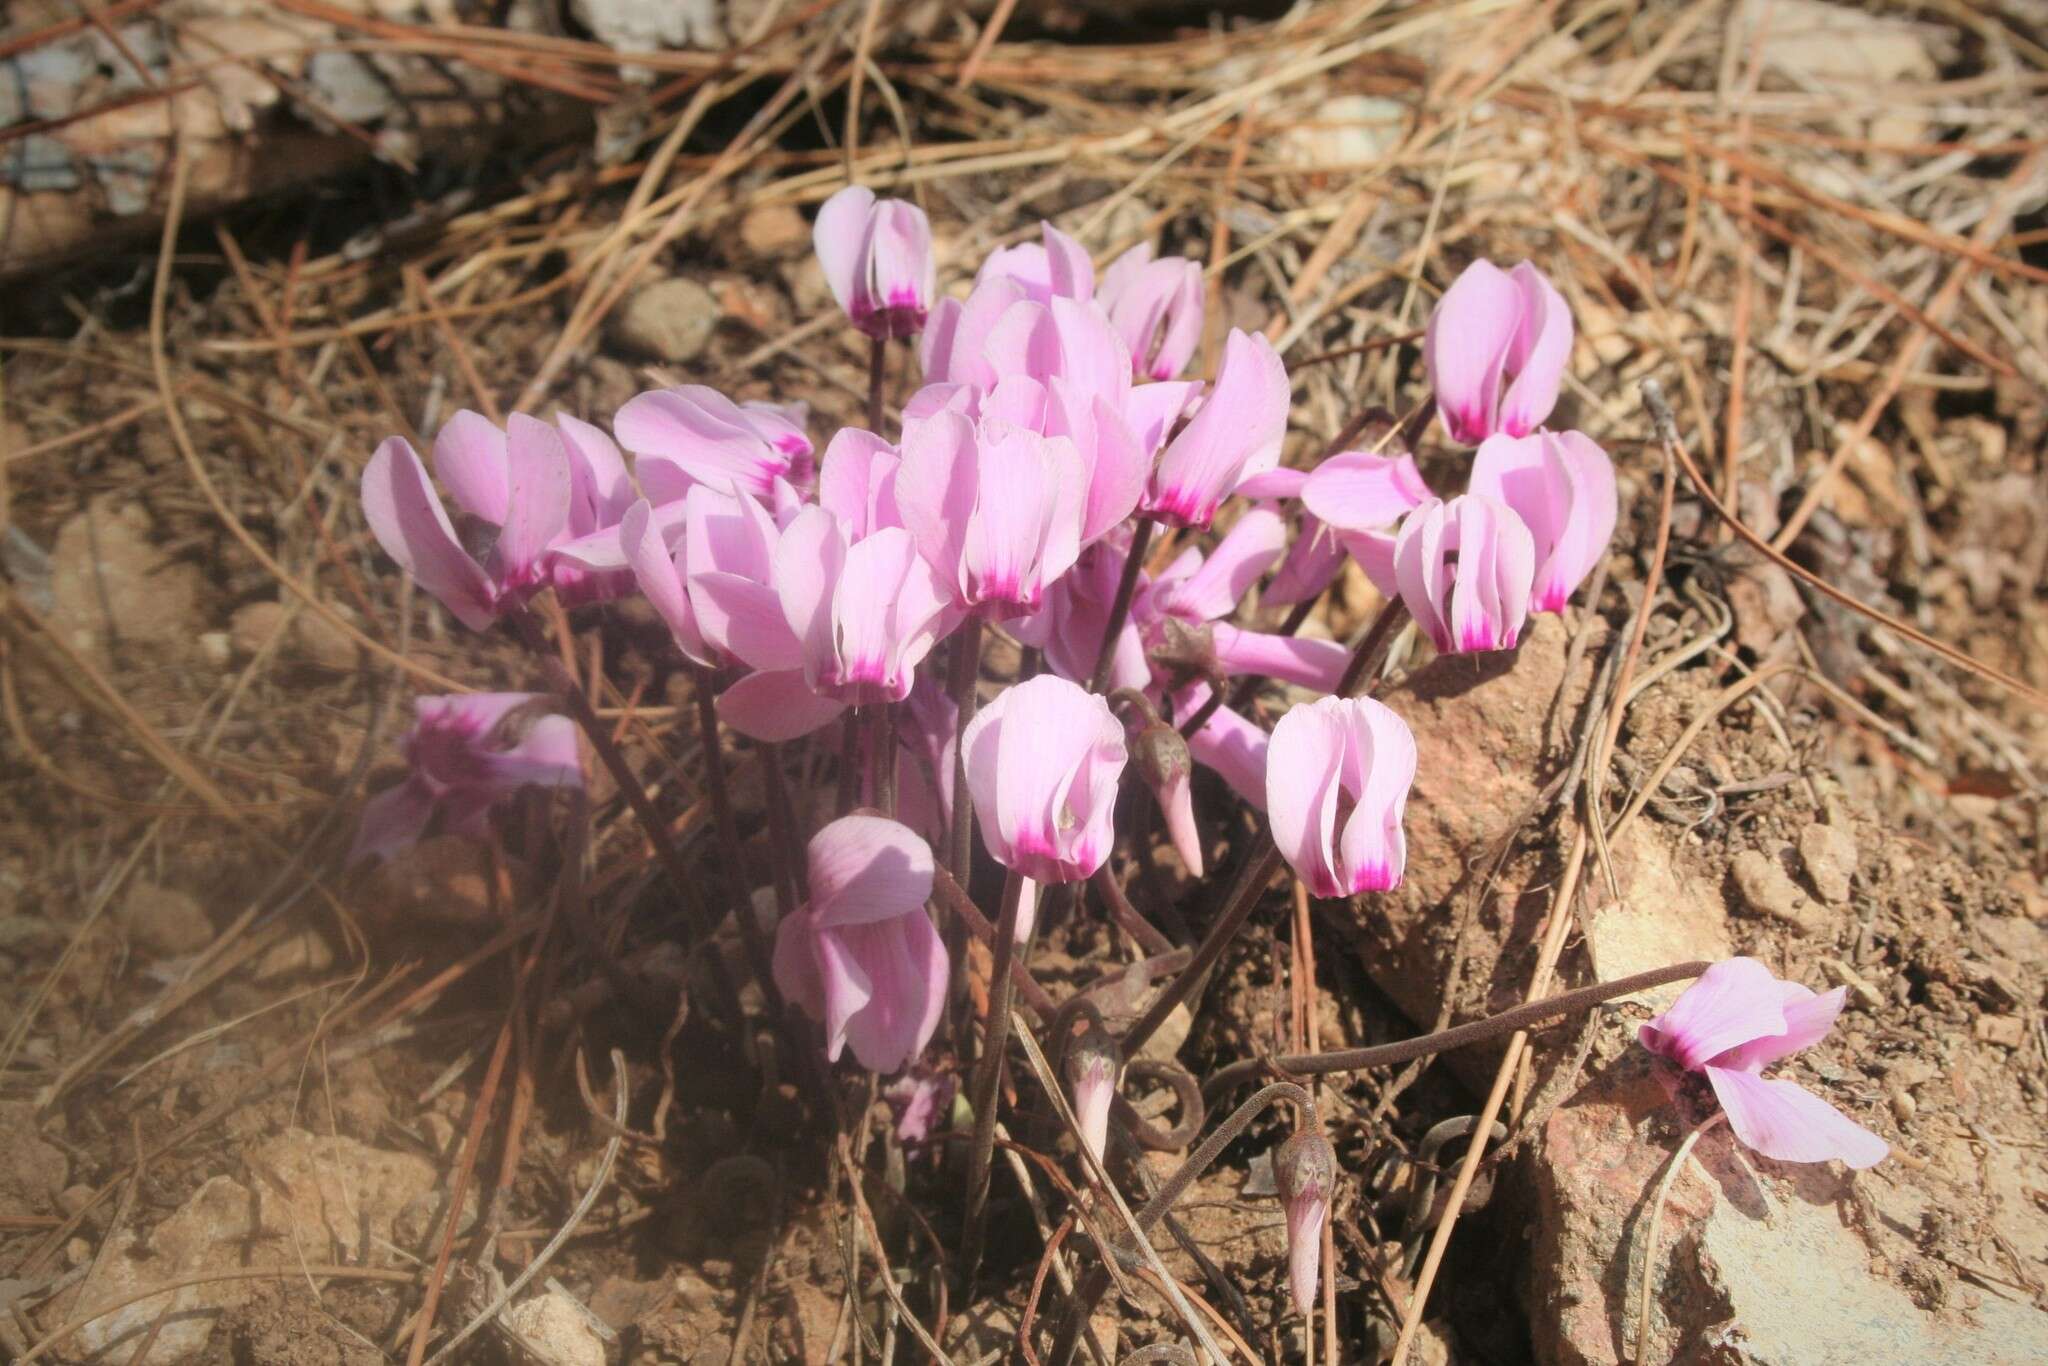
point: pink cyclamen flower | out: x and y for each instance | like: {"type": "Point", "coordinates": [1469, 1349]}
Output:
{"type": "Point", "coordinates": [1156, 306]}
{"type": "Point", "coordinates": [866, 612]}
{"type": "Point", "coordinates": [1356, 498]}
{"type": "Point", "coordinates": [1464, 569]}
{"type": "Point", "coordinates": [1494, 326]}
{"type": "Point", "coordinates": [692, 434]}
{"type": "Point", "coordinates": [512, 490]}
{"type": "Point", "coordinates": [1562, 487]}
{"type": "Point", "coordinates": [877, 255]}
{"type": "Point", "coordinates": [1043, 761]}
{"type": "Point", "coordinates": [1305, 1172]}
{"type": "Point", "coordinates": [1055, 267]}
{"type": "Point", "coordinates": [1070, 626]}
{"type": "Point", "coordinates": [1235, 433]}
{"type": "Point", "coordinates": [995, 508]}
{"type": "Point", "coordinates": [1732, 1023]}
{"type": "Point", "coordinates": [861, 955]}
{"type": "Point", "coordinates": [468, 752]}
{"type": "Point", "coordinates": [1337, 779]}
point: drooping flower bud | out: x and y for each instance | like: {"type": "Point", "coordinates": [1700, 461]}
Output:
{"type": "Point", "coordinates": [1305, 1170]}
{"type": "Point", "coordinates": [1162, 760]}
{"type": "Point", "coordinates": [1094, 1065]}
{"type": "Point", "coordinates": [877, 255]}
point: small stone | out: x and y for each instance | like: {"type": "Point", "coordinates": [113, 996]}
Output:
{"type": "Point", "coordinates": [77, 1252]}
{"type": "Point", "coordinates": [254, 626]}
{"type": "Point", "coordinates": [304, 953]}
{"type": "Point", "coordinates": [773, 231]}
{"type": "Point", "coordinates": [2007, 1031]}
{"type": "Point", "coordinates": [309, 638]}
{"type": "Point", "coordinates": [667, 320]}
{"type": "Point", "coordinates": [164, 920]}
{"type": "Point", "coordinates": [217, 649]}
{"type": "Point", "coordinates": [111, 583]}
{"type": "Point", "coordinates": [74, 1200]}
{"type": "Point", "coordinates": [1829, 855]}
{"type": "Point", "coordinates": [556, 1331]}
{"type": "Point", "coordinates": [1768, 890]}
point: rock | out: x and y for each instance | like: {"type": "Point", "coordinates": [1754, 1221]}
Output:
{"type": "Point", "coordinates": [1829, 855]}
{"type": "Point", "coordinates": [2007, 1031]}
{"type": "Point", "coordinates": [649, 25]}
{"type": "Point", "coordinates": [1767, 889]}
{"type": "Point", "coordinates": [110, 583]}
{"type": "Point", "coordinates": [774, 231]}
{"type": "Point", "coordinates": [667, 320]}
{"type": "Point", "coordinates": [163, 920]}
{"type": "Point", "coordinates": [1742, 1273]}
{"type": "Point", "coordinates": [302, 954]}
{"type": "Point", "coordinates": [217, 647]}
{"type": "Point", "coordinates": [35, 1171]}
{"type": "Point", "coordinates": [309, 637]}
{"type": "Point", "coordinates": [211, 1230]}
{"type": "Point", "coordinates": [556, 1331]}
{"type": "Point", "coordinates": [1479, 723]}
{"type": "Point", "coordinates": [334, 1192]}
{"type": "Point", "coordinates": [1346, 133]}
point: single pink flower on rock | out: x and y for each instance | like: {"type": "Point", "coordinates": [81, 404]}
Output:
{"type": "Point", "coordinates": [1732, 1023]}
{"type": "Point", "coordinates": [512, 490]}
{"type": "Point", "coordinates": [1305, 1173]}
{"type": "Point", "coordinates": [995, 508]}
{"type": "Point", "coordinates": [468, 753]}
{"type": "Point", "coordinates": [1337, 780]}
{"type": "Point", "coordinates": [1464, 569]}
{"type": "Point", "coordinates": [877, 255]}
{"type": "Point", "coordinates": [1562, 487]}
{"type": "Point", "coordinates": [861, 955]}
{"type": "Point", "coordinates": [692, 434]}
{"type": "Point", "coordinates": [1055, 267]}
{"type": "Point", "coordinates": [1043, 760]}
{"type": "Point", "coordinates": [1493, 327]}
{"type": "Point", "coordinates": [1156, 306]}
{"type": "Point", "coordinates": [1237, 432]}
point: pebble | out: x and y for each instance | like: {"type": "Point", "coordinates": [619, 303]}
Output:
{"type": "Point", "coordinates": [1829, 855]}
{"type": "Point", "coordinates": [667, 320]}
{"type": "Point", "coordinates": [164, 920]}
{"type": "Point", "coordinates": [1768, 890]}
{"type": "Point", "coordinates": [774, 231]}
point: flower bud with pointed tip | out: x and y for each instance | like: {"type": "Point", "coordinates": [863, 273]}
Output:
{"type": "Point", "coordinates": [1305, 1170]}
{"type": "Point", "coordinates": [1162, 759]}
{"type": "Point", "coordinates": [1094, 1065]}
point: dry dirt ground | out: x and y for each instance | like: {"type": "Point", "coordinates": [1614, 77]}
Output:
{"type": "Point", "coordinates": [229, 1063]}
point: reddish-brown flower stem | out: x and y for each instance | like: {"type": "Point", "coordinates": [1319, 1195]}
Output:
{"type": "Point", "coordinates": [1460, 1036]}
{"type": "Point", "coordinates": [630, 787]}
{"type": "Point", "coordinates": [758, 956]}
{"type": "Point", "coordinates": [1120, 605]}
{"type": "Point", "coordinates": [988, 1077]}
{"type": "Point", "coordinates": [965, 675]}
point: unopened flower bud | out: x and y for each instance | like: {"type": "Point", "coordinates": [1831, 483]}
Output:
{"type": "Point", "coordinates": [1094, 1064]}
{"type": "Point", "coordinates": [1162, 759]}
{"type": "Point", "coordinates": [1305, 1170]}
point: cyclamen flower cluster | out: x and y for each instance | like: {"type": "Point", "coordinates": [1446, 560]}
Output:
{"type": "Point", "coordinates": [1051, 437]}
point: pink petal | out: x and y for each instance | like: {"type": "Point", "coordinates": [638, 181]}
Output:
{"type": "Point", "coordinates": [1232, 746]}
{"type": "Point", "coordinates": [408, 521]}
{"type": "Point", "coordinates": [692, 433]}
{"type": "Point", "coordinates": [1315, 664]}
{"type": "Point", "coordinates": [845, 960]}
{"type": "Point", "coordinates": [809, 562]}
{"type": "Point", "coordinates": [1312, 564]}
{"type": "Point", "coordinates": [840, 237]}
{"type": "Point", "coordinates": [1374, 848]}
{"type": "Point", "coordinates": [601, 490]}
{"type": "Point", "coordinates": [1538, 353]}
{"type": "Point", "coordinates": [1018, 401]}
{"type": "Point", "coordinates": [392, 820]}
{"type": "Point", "coordinates": [959, 353]}
{"type": "Point", "coordinates": [1305, 1249]}
{"type": "Point", "coordinates": [1496, 565]}
{"type": "Point", "coordinates": [654, 569]}
{"type": "Point", "coordinates": [1069, 273]}
{"type": "Point", "coordinates": [548, 755]}
{"type": "Point", "coordinates": [904, 966]}
{"type": "Point", "coordinates": [902, 273]}
{"type": "Point", "coordinates": [1808, 1018]}
{"type": "Point", "coordinates": [469, 459]}
{"type": "Point", "coordinates": [937, 486]}
{"type": "Point", "coordinates": [1732, 1003]}
{"type": "Point", "coordinates": [1466, 348]}
{"type": "Point", "coordinates": [796, 970]}
{"type": "Point", "coordinates": [1153, 410]}
{"type": "Point", "coordinates": [1302, 784]}
{"type": "Point", "coordinates": [1254, 541]}
{"type": "Point", "coordinates": [1238, 429]}
{"type": "Point", "coordinates": [866, 868]}
{"type": "Point", "coordinates": [1421, 573]}
{"type": "Point", "coordinates": [1274, 483]}
{"type": "Point", "coordinates": [775, 705]}
{"type": "Point", "coordinates": [1360, 491]}
{"type": "Point", "coordinates": [1783, 1120]}
{"type": "Point", "coordinates": [537, 495]}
